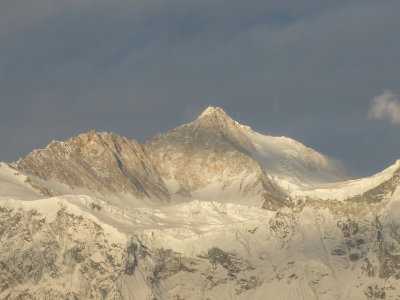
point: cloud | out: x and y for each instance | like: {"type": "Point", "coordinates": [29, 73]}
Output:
{"type": "Point", "coordinates": [386, 106]}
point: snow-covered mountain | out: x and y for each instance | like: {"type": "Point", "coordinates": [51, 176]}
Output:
{"type": "Point", "coordinates": [214, 155]}
{"type": "Point", "coordinates": [194, 161]}
{"type": "Point", "coordinates": [209, 210]}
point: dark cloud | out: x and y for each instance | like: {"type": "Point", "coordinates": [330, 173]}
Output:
{"type": "Point", "coordinates": [304, 69]}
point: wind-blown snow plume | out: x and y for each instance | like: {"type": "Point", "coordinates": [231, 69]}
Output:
{"type": "Point", "coordinates": [386, 106]}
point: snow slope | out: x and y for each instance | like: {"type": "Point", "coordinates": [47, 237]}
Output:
{"type": "Point", "coordinates": [351, 188]}
{"type": "Point", "coordinates": [13, 184]}
{"type": "Point", "coordinates": [291, 164]}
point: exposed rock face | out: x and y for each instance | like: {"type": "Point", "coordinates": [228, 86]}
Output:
{"type": "Point", "coordinates": [105, 163]}
{"type": "Point", "coordinates": [67, 257]}
{"type": "Point", "coordinates": [212, 150]}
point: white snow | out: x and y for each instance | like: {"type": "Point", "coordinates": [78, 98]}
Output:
{"type": "Point", "coordinates": [12, 184]}
{"type": "Point", "coordinates": [346, 189]}
{"type": "Point", "coordinates": [291, 164]}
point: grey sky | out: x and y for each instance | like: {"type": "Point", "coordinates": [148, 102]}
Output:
{"type": "Point", "coordinates": [304, 69]}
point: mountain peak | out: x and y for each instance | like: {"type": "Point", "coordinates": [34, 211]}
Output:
{"type": "Point", "coordinates": [212, 111]}
{"type": "Point", "coordinates": [215, 117]}
{"type": "Point", "coordinates": [215, 113]}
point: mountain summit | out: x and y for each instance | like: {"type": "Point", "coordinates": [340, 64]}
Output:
{"type": "Point", "coordinates": [214, 112]}
{"type": "Point", "coordinates": [215, 117]}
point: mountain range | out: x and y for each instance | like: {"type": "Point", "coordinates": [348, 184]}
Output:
{"type": "Point", "coordinates": [209, 210]}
